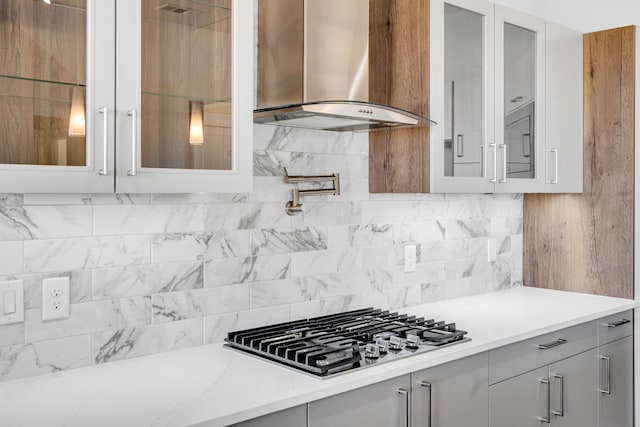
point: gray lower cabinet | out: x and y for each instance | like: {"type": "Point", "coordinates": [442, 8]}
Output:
{"type": "Point", "coordinates": [385, 404]}
{"type": "Point", "coordinates": [292, 417]}
{"type": "Point", "coordinates": [615, 388]}
{"type": "Point", "coordinates": [452, 395]}
{"type": "Point", "coordinates": [560, 394]}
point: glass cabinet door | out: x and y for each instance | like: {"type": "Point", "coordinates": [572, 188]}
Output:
{"type": "Point", "coordinates": [520, 102]}
{"type": "Point", "coordinates": [461, 94]}
{"type": "Point", "coordinates": [54, 116]}
{"type": "Point", "coordinates": [184, 95]}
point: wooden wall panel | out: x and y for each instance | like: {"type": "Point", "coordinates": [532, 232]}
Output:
{"type": "Point", "coordinates": [399, 76]}
{"type": "Point", "coordinates": [584, 242]}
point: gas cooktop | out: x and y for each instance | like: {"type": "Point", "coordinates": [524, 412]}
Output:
{"type": "Point", "coordinates": [329, 345]}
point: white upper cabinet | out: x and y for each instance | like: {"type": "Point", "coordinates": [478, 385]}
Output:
{"type": "Point", "coordinates": [489, 94]}
{"type": "Point", "coordinates": [126, 96]}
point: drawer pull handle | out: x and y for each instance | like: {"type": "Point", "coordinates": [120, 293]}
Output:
{"type": "Point", "coordinates": [427, 386]}
{"type": "Point", "coordinates": [552, 344]}
{"type": "Point", "coordinates": [547, 417]}
{"type": "Point", "coordinates": [607, 390]}
{"type": "Point", "coordinates": [618, 323]}
{"type": "Point", "coordinates": [560, 412]}
{"type": "Point", "coordinates": [407, 406]}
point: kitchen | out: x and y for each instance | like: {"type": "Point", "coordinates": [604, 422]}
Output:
{"type": "Point", "coordinates": [155, 271]}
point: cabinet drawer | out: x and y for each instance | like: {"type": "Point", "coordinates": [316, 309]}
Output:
{"type": "Point", "coordinates": [614, 327]}
{"type": "Point", "coordinates": [514, 359]}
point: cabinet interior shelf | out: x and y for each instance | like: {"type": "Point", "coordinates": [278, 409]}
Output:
{"type": "Point", "coordinates": [189, 98]}
{"type": "Point", "coordinates": [34, 80]}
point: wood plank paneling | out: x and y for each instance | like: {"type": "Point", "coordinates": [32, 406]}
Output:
{"type": "Point", "coordinates": [399, 76]}
{"type": "Point", "coordinates": [584, 242]}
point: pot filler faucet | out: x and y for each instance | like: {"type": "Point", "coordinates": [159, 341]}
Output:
{"type": "Point", "coordinates": [293, 207]}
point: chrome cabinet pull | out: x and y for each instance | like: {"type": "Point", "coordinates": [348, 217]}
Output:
{"type": "Point", "coordinates": [560, 412]}
{"type": "Point", "coordinates": [460, 142]}
{"type": "Point", "coordinates": [134, 142]}
{"type": "Point", "coordinates": [503, 147]}
{"type": "Point", "coordinates": [618, 323]}
{"type": "Point", "coordinates": [547, 417]}
{"type": "Point", "coordinates": [552, 344]}
{"type": "Point", "coordinates": [607, 390]}
{"type": "Point", "coordinates": [407, 406]}
{"type": "Point", "coordinates": [427, 386]}
{"type": "Point", "coordinates": [554, 151]}
{"type": "Point", "coordinates": [105, 139]}
{"type": "Point", "coordinates": [526, 145]}
{"type": "Point", "coordinates": [495, 163]}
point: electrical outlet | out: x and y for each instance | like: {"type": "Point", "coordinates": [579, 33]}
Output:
{"type": "Point", "coordinates": [409, 258]}
{"type": "Point", "coordinates": [55, 298]}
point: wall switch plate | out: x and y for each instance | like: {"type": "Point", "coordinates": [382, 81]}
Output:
{"type": "Point", "coordinates": [409, 258]}
{"type": "Point", "coordinates": [11, 302]}
{"type": "Point", "coordinates": [55, 298]}
{"type": "Point", "coordinates": [491, 250]}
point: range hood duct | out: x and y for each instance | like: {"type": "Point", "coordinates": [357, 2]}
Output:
{"type": "Point", "coordinates": [313, 68]}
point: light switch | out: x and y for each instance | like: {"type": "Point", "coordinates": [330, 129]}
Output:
{"type": "Point", "coordinates": [11, 302]}
{"type": "Point", "coordinates": [9, 298]}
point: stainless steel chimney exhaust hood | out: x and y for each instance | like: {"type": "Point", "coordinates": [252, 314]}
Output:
{"type": "Point", "coordinates": [313, 68]}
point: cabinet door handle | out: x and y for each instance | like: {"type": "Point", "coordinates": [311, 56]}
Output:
{"type": "Point", "coordinates": [429, 416]}
{"type": "Point", "coordinates": [607, 390]}
{"type": "Point", "coordinates": [618, 323]}
{"type": "Point", "coordinates": [554, 151]}
{"type": "Point", "coordinates": [495, 163]}
{"type": "Point", "coordinates": [560, 412]}
{"type": "Point", "coordinates": [134, 142]}
{"type": "Point", "coordinates": [547, 386]}
{"type": "Point", "coordinates": [552, 344]}
{"type": "Point", "coordinates": [503, 147]}
{"type": "Point", "coordinates": [407, 406]}
{"type": "Point", "coordinates": [105, 139]}
{"type": "Point", "coordinates": [460, 142]}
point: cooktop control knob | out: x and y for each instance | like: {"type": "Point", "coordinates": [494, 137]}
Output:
{"type": "Point", "coordinates": [372, 351]}
{"type": "Point", "coordinates": [413, 341]}
{"type": "Point", "coordinates": [395, 343]}
{"type": "Point", "coordinates": [383, 345]}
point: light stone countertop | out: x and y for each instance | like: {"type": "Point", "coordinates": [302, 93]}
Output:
{"type": "Point", "coordinates": [213, 385]}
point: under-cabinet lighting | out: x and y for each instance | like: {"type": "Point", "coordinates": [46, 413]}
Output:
{"type": "Point", "coordinates": [77, 119]}
{"type": "Point", "coordinates": [196, 125]}
{"type": "Point", "coordinates": [47, 1]}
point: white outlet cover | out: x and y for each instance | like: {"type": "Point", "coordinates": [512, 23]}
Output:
{"type": "Point", "coordinates": [55, 298]}
{"type": "Point", "coordinates": [410, 258]}
{"type": "Point", "coordinates": [12, 289]}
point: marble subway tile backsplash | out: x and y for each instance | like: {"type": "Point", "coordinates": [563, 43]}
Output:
{"type": "Point", "coordinates": [152, 273]}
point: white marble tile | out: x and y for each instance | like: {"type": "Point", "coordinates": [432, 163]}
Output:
{"type": "Point", "coordinates": [371, 235]}
{"type": "Point", "coordinates": [425, 273]}
{"type": "Point", "coordinates": [84, 253]}
{"type": "Point", "coordinates": [270, 189]}
{"type": "Point", "coordinates": [138, 341]}
{"type": "Point", "coordinates": [349, 143]}
{"type": "Point", "coordinates": [323, 213]}
{"type": "Point", "coordinates": [350, 166]}
{"type": "Point", "coordinates": [281, 138]}
{"type": "Point", "coordinates": [393, 299]}
{"type": "Point", "coordinates": [413, 232]}
{"type": "Point", "coordinates": [270, 163]}
{"type": "Point", "coordinates": [273, 241]}
{"type": "Point", "coordinates": [11, 199]}
{"type": "Point", "coordinates": [198, 303]}
{"type": "Point", "coordinates": [43, 222]}
{"type": "Point", "coordinates": [229, 271]}
{"type": "Point", "coordinates": [89, 317]}
{"type": "Point", "coordinates": [193, 246]}
{"type": "Point", "coordinates": [382, 256]}
{"type": "Point", "coordinates": [120, 199]}
{"type": "Point", "coordinates": [177, 199]}
{"type": "Point", "coordinates": [147, 219]}
{"type": "Point", "coordinates": [57, 199]}
{"type": "Point", "coordinates": [44, 357]}
{"type": "Point", "coordinates": [329, 305]}
{"type": "Point", "coordinates": [352, 189]}
{"type": "Point", "coordinates": [380, 212]}
{"type": "Point", "coordinates": [325, 262]}
{"type": "Point", "coordinates": [216, 327]}
{"type": "Point", "coordinates": [338, 237]}
{"type": "Point", "coordinates": [11, 257]}
{"type": "Point", "coordinates": [11, 334]}
{"type": "Point", "coordinates": [468, 229]}
{"type": "Point", "coordinates": [506, 226]}
{"type": "Point", "coordinates": [233, 216]}
{"type": "Point", "coordinates": [147, 279]}
{"type": "Point", "coordinates": [278, 292]}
